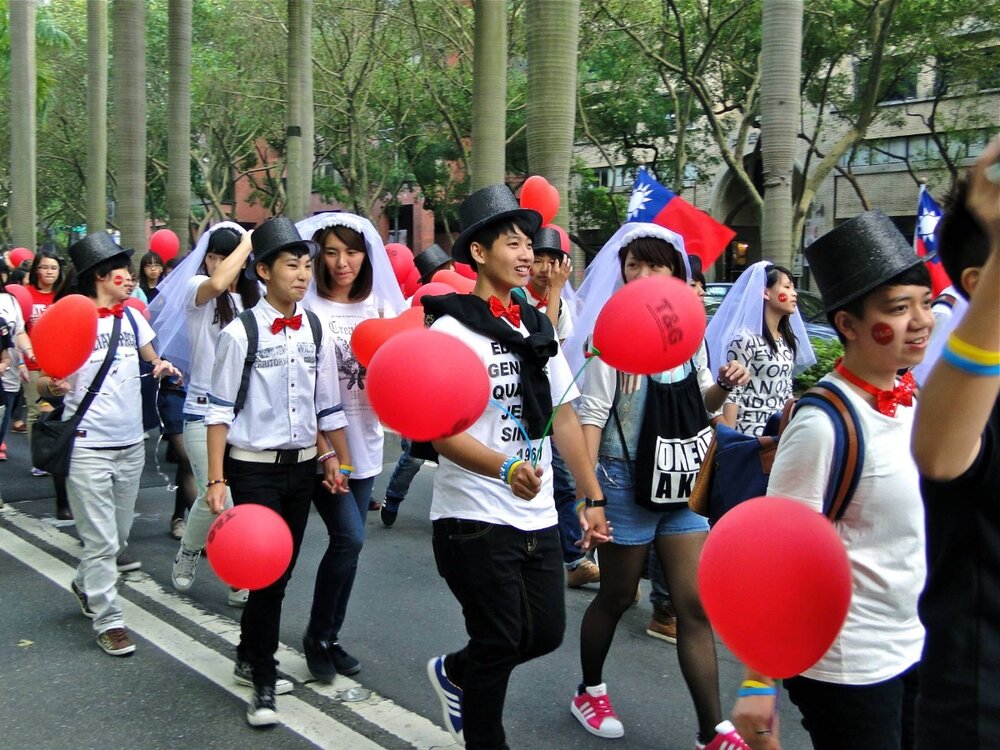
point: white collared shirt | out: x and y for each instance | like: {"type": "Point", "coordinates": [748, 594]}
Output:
{"type": "Point", "coordinates": [285, 401]}
{"type": "Point", "coordinates": [564, 320]}
{"type": "Point", "coordinates": [203, 333]}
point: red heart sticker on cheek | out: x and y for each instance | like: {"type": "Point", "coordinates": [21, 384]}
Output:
{"type": "Point", "coordinates": [782, 297]}
{"type": "Point", "coordinates": [118, 280]}
{"type": "Point", "coordinates": [882, 333]}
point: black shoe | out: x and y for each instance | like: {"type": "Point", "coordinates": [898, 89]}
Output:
{"type": "Point", "coordinates": [388, 516]}
{"type": "Point", "coordinates": [319, 659]}
{"type": "Point", "coordinates": [262, 710]}
{"type": "Point", "coordinates": [345, 663]}
{"type": "Point", "coordinates": [63, 513]}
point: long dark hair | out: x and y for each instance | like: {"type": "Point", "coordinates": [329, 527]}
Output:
{"type": "Point", "coordinates": [144, 261]}
{"type": "Point", "coordinates": [223, 242]}
{"type": "Point", "coordinates": [785, 324]}
{"type": "Point", "coordinates": [33, 271]}
{"type": "Point", "coordinates": [362, 285]}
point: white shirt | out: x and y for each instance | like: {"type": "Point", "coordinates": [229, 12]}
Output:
{"type": "Point", "coordinates": [285, 400]}
{"type": "Point", "coordinates": [10, 310]}
{"type": "Point", "coordinates": [114, 418]}
{"type": "Point", "coordinates": [564, 321]}
{"type": "Point", "coordinates": [364, 432]}
{"type": "Point", "coordinates": [882, 530]}
{"type": "Point", "coordinates": [203, 333]}
{"type": "Point", "coordinates": [459, 493]}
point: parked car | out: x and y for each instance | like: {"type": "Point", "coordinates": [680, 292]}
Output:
{"type": "Point", "coordinates": [809, 304]}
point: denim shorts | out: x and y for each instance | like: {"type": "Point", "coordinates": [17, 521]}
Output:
{"type": "Point", "coordinates": [634, 525]}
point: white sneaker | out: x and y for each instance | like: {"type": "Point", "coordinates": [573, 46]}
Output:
{"type": "Point", "coordinates": [238, 598]}
{"type": "Point", "coordinates": [262, 711]}
{"type": "Point", "coordinates": [593, 710]}
{"type": "Point", "coordinates": [185, 565]}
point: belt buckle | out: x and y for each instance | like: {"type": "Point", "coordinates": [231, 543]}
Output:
{"type": "Point", "coordinates": [286, 457]}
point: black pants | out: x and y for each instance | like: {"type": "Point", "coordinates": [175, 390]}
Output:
{"type": "Point", "coordinates": [286, 489]}
{"type": "Point", "coordinates": [510, 585]}
{"type": "Point", "coordinates": [857, 717]}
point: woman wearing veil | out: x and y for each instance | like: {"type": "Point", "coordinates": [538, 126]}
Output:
{"type": "Point", "coordinates": [352, 282]}
{"type": "Point", "coordinates": [625, 417]}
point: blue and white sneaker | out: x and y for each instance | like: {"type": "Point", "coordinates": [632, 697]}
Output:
{"type": "Point", "coordinates": [450, 696]}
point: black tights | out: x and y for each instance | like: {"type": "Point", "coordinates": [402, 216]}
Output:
{"type": "Point", "coordinates": [621, 567]}
{"type": "Point", "coordinates": [187, 490]}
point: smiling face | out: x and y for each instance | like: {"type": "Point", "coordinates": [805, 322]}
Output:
{"type": "Point", "coordinates": [507, 261]}
{"type": "Point", "coordinates": [895, 328]}
{"type": "Point", "coordinates": [287, 278]}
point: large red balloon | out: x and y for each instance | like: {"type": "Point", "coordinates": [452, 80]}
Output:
{"type": "Point", "coordinates": [23, 297]}
{"type": "Point", "coordinates": [775, 582]}
{"type": "Point", "coordinates": [249, 546]}
{"type": "Point", "coordinates": [427, 385]}
{"type": "Point", "coordinates": [650, 325]}
{"type": "Point", "coordinates": [434, 289]}
{"type": "Point", "coordinates": [401, 260]}
{"type": "Point", "coordinates": [165, 244]}
{"type": "Point", "coordinates": [63, 336]}
{"type": "Point", "coordinates": [456, 281]}
{"type": "Point", "coordinates": [370, 334]}
{"type": "Point", "coordinates": [411, 284]}
{"type": "Point", "coordinates": [139, 305]}
{"type": "Point", "coordinates": [538, 194]}
{"type": "Point", "coordinates": [20, 254]}
{"type": "Point", "coordinates": [464, 269]}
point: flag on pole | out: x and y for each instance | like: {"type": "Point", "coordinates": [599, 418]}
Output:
{"type": "Point", "coordinates": [925, 240]}
{"type": "Point", "coordinates": [652, 202]}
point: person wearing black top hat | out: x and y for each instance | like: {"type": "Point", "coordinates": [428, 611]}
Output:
{"type": "Point", "coordinates": [861, 693]}
{"type": "Point", "coordinates": [266, 451]}
{"type": "Point", "coordinates": [432, 259]}
{"type": "Point", "coordinates": [108, 452]}
{"type": "Point", "coordinates": [495, 538]}
{"type": "Point", "coordinates": [550, 272]}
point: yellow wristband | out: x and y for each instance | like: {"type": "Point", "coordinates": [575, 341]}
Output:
{"type": "Point", "coordinates": [974, 353]}
{"type": "Point", "coordinates": [346, 467]}
{"type": "Point", "coordinates": [754, 684]}
{"type": "Point", "coordinates": [512, 469]}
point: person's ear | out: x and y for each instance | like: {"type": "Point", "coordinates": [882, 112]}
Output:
{"type": "Point", "coordinates": [847, 324]}
{"type": "Point", "coordinates": [263, 271]}
{"type": "Point", "coordinates": [970, 279]}
{"type": "Point", "coordinates": [478, 252]}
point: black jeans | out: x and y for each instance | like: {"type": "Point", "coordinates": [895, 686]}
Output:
{"type": "Point", "coordinates": [286, 489]}
{"type": "Point", "coordinates": [857, 717]}
{"type": "Point", "coordinates": [510, 585]}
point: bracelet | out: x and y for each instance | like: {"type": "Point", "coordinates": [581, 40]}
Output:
{"type": "Point", "coordinates": [591, 503]}
{"type": "Point", "coordinates": [216, 481]}
{"type": "Point", "coordinates": [967, 365]}
{"type": "Point", "coordinates": [346, 471]}
{"type": "Point", "coordinates": [971, 352]}
{"type": "Point", "coordinates": [745, 692]}
{"type": "Point", "coordinates": [505, 468]}
{"type": "Point", "coordinates": [327, 456]}
{"type": "Point", "coordinates": [579, 506]}
{"type": "Point", "coordinates": [512, 469]}
{"type": "Point", "coordinates": [725, 386]}
{"type": "Point", "coordinates": [348, 467]}
{"type": "Point", "coordinates": [754, 684]}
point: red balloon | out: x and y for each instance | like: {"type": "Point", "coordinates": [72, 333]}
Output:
{"type": "Point", "coordinates": [427, 385]}
{"type": "Point", "coordinates": [456, 281]}
{"type": "Point", "coordinates": [464, 269]}
{"type": "Point", "coordinates": [139, 305]}
{"type": "Point", "coordinates": [249, 546]}
{"type": "Point", "coordinates": [370, 334]}
{"type": "Point", "coordinates": [20, 254]}
{"type": "Point", "coordinates": [165, 244]}
{"type": "Point", "coordinates": [23, 297]}
{"type": "Point", "coordinates": [538, 194]}
{"type": "Point", "coordinates": [63, 336]}
{"type": "Point", "coordinates": [401, 260]}
{"type": "Point", "coordinates": [775, 582]}
{"type": "Point", "coordinates": [412, 283]}
{"type": "Point", "coordinates": [650, 325]}
{"type": "Point", "coordinates": [434, 289]}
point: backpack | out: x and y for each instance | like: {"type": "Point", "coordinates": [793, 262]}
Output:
{"type": "Point", "coordinates": [250, 326]}
{"type": "Point", "coordinates": [737, 466]}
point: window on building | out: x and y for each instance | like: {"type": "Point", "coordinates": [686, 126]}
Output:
{"type": "Point", "coordinates": [969, 73]}
{"type": "Point", "coordinates": [899, 78]}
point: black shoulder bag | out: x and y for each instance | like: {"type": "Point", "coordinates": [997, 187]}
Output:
{"type": "Point", "coordinates": [51, 437]}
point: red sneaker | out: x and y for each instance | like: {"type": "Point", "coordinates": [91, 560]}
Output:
{"type": "Point", "coordinates": [726, 738]}
{"type": "Point", "coordinates": [593, 710]}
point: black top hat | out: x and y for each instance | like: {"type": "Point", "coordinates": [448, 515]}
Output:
{"type": "Point", "coordinates": [273, 236]}
{"type": "Point", "coordinates": [548, 239]}
{"type": "Point", "coordinates": [93, 249]}
{"type": "Point", "coordinates": [484, 207]}
{"type": "Point", "coordinates": [429, 260]}
{"type": "Point", "coordinates": [859, 255]}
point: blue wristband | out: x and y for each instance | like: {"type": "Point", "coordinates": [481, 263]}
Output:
{"type": "Point", "coordinates": [748, 691]}
{"type": "Point", "coordinates": [967, 365]}
{"type": "Point", "coordinates": [505, 467]}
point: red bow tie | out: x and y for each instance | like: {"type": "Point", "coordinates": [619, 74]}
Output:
{"type": "Point", "coordinates": [279, 324]}
{"type": "Point", "coordinates": [106, 312]}
{"type": "Point", "coordinates": [512, 313]}
{"type": "Point", "coordinates": [544, 302]}
{"type": "Point", "coordinates": [885, 401]}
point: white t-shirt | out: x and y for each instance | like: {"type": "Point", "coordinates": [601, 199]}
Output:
{"type": "Point", "coordinates": [10, 310]}
{"type": "Point", "coordinates": [364, 432]}
{"type": "Point", "coordinates": [564, 321]}
{"type": "Point", "coordinates": [770, 384]}
{"type": "Point", "coordinates": [203, 332]}
{"type": "Point", "coordinates": [882, 530]}
{"type": "Point", "coordinates": [459, 493]}
{"type": "Point", "coordinates": [114, 418]}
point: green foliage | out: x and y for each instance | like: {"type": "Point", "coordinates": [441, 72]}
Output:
{"type": "Point", "coordinates": [827, 352]}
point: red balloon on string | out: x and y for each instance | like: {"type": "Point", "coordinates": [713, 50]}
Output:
{"type": "Point", "coordinates": [464, 269]}
{"type": "Point", "coordinates": [20, 254]}
{"type": "Point", "coordinates": [650, 325]}
{"type": "Point", "coordinates": [63, 336]}
{"type": "Point", "coordinates": [539, 195]}
{"type": "Point", "coordinates": [434, 289]}
{"type": "Point", "coordinates": [370, 334]}
{"type": "Point", "coordinates": [412, 283]}
{"type": "Point", "coordinates": [456, 281]}
{"type": "Point", "coordinates": [775, 582]}
{"type": "Point", "coordinates": [165, 244]}
{"type": "Point", "coordinates": [401, 260]}
{"type": "Point", "coordinates": [23, 297]}
{"type": "Point", "coordinates": [427, 385]}
{"type": "Point", "coordinates": [249, 546]}
{"type": "Point", "coordinates": [139, 305]}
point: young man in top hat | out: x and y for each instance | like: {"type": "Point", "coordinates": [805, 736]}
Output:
{"type": "Point", "coordinates": [108, 453]}
{"type": "Point", "coordinates": [860, 695]}
{"type": "Point", "coordinates": [495, 537]}
{"type": "Point", "coordinates": [550, 271]}
{"type": "Point", "coordinates": [267, 451]}
{"type": "Point", "coordinates": [432, 259]}
{"type": "Point", "coordinates": [956, 443]}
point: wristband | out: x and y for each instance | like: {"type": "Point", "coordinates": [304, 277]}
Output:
{"type": "Point", "coordinates": [746, 692]}
{"type": "Point", "coordinates": [591, 503]}
{"type": "Point", "coordinates": [345, 471]}
{"type": "Point", "coordinates": [579, 506]}
{"type": "Point", "coordinates": [216, 481]}
{"type": "Point", "coordinates": [754, 684]}
{"type": "Point", "coordinates": [348, 467]}
{"type": "Point", "coordinates": [973, 353]}
{"type": "Point", "coordinates": [725, 386]}
{"type": "Point", "coordinates": [327, 456]}
{"type": "Point", "coordinates": [967, 365]}
{"type": "Point", "coordinates": [505, 468]}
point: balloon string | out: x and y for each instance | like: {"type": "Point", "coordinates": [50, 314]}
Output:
{"type": "Point", "coordinates": [516, 421]}
{"type": "Point", "coordinates": [592, 354]}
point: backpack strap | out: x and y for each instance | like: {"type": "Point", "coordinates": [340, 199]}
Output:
{"type": "Point", "coordinates": [250, 326]}
{"type": "Point", "coordinates": [849, 446]}
{"type": "Point", "coordinates": [317, 331]}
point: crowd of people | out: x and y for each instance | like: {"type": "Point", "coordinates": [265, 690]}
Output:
{"type": "Point", "coordinates": [248, 371]}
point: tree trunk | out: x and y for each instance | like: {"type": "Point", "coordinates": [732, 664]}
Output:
{"type": "Point", "coordinates": [552, 37]}
{"type": "Point", "coordinates": [781, 54]}
{"type": "Point", "coordinates": [489, 94]}
{"type": "Point", "coordinates": [179, 119]}
{"type": "Point", "coordinates": [295, 203]}
{"type": "Point", "coordinates": [22, 123]}
{"type": "Point", "coordinates": [307, 120]}
{"type": "Point", "coordinates": [129, 70]}
{"type": "Point", "coordinates": [97, 115]}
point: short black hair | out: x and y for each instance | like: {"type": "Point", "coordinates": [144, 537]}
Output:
{"type": "Point", "coordinates": [962, 243]}
{"type": "Point", "coordinates": [86, 282]}
{"type": "Point", "coordinates": [917, 275]}
{"type": "Point", "coordinates": [654, 250]}
{"type": "Point", "coordinates": [488, 234]}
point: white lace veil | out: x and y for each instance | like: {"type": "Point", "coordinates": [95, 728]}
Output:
{"type": "Point", "coordinates": [167, 312]}
{"type": "Point", "coordinates": [385, 288]}
{"type": "Point", "coordinates": [742, 309]}
{"type": "Point", "coordinates": [603, 278]}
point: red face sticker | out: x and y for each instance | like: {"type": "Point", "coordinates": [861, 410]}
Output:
{"type": "Point", "coordinates": [118, 280]}
{"type": "Point", "coordinates": [782, 297]}
{"type": "Point", "coordinates": [882, 333]}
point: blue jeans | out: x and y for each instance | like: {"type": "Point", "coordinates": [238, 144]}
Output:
{"type": "Point", "coordinates": [344, 516]}
{"type": "Point", "coordinates": [402, 476]}
{"type": "Point", "coordinates": [9, 399]}
{"type": "Point", "coordinates": [564, 490]}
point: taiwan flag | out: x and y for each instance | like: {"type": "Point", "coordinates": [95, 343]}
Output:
{"type": "Point", "coordinates": [652, 202]}
{"type": "Point", "coordinates": [925, 240]}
